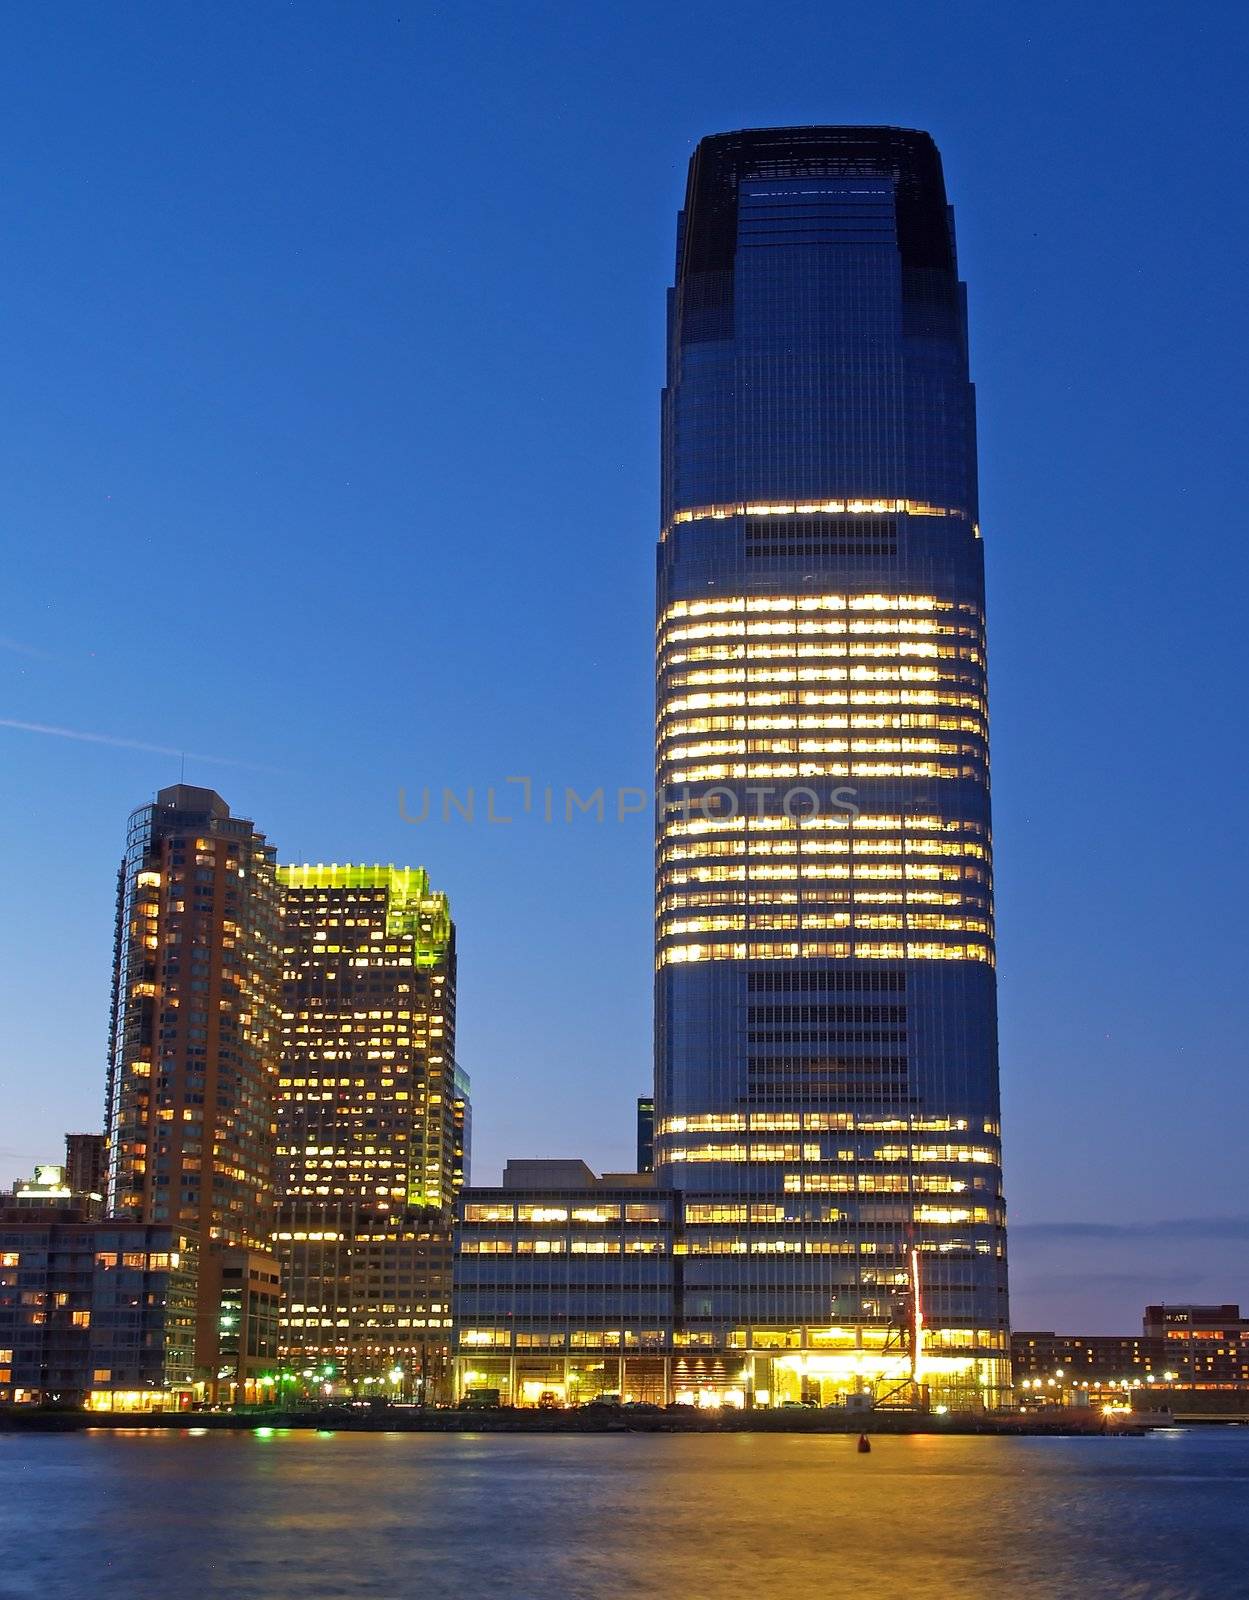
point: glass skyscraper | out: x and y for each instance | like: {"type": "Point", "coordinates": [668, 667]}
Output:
{"type": "Point", "coordinates": [826, 1094]}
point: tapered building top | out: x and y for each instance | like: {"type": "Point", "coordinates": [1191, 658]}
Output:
{"type": "Point", "coordinates": [723, 162]}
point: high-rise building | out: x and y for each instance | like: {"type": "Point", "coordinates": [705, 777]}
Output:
{"type": "Point", "coordinates": [373, 1126]}
{"type": "Point", "coordinates": [86, 1166]}
{"type": "Point", "coordinates": [826, 1092]}
{"type": "Point", "coordinates": [192, 1072]}
{"type": "Point", "coordinates": [826, 1134]}
{"type": "Point", "coordinates": [646, 1133]}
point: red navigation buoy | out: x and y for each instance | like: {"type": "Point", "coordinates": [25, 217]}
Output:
{"type": "Point", "coordinates": [865, 1445]}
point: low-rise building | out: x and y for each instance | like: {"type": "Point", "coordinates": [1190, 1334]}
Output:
{"type": "Point", "coordinates": [565, 1287]}
{"type": "Point", "coordinates": [1192, 1360]}
{"type": "Point", "coordinates": [95, 1313]}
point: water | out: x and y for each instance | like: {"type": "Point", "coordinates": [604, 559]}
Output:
{"type": "Point", "coordinates": [301, 1516]}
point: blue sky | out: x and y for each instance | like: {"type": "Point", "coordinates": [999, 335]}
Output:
{"type": "Point", "coordinates": [332, 341]}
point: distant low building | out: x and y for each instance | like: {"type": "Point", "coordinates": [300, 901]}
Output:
{"type": "Point", "coordinates": [86, 1167]}
{"type": "Point", "coordinates": [75, 1185]}
{"type": "Point", "coordinates": [1192, 1360]}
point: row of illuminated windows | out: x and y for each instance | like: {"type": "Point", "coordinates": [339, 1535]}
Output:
{"type": "Point", "coordinates": [930, 1216]}
{"type": "Point", "coordinates": [357, 1019]}
{"type": "Point", "coordinates": [685, 901]}
{"type": "Point", "coordinates": [814, 1152]}
{"type": "Point", "coordinates": [790, 673]}
{"type": "Point", "coordinates": [812, 602]}
{"type": "Point", "coordinates": [841, 1183]}
{"type": "Point", "coordinates": [761, 921]}
{"type": "Point", "coordinates": [808, 846]}
{"type": "Point", "coordinates": [852, 1338]}
{"type": "Point", "coordinates": [810, 613]}
{"type": "Point", "coordinates": [865, 507]}
{"type": "Point", "coordinates": [149, 1261]}
{"type": "Point", "coordinates": [815, 874]}
{"type": "Point", "coordinates": [809, 873]}
{"type": "Point", "coordinates": [578, 1339]}
{"type": "Point", "coordinates": [790, 663]}
{"type": "Point", "coordinates": [835, 822]}
{"type": "Point", "coordinates": [725, 772]}
{"type": "Point", "coordinates": [292, 1055]}
{"type": "Point", "coordinates": [738, 699]}
{"type": "Point", "coordinates": [812, 1121]}
{"type": "Point", "coordinates": [790, 950]}
{"type": "Point", "coordinates": [741, 640]}
{"type": "Point", "coordinates": [347, 1322]}
{"type": "Point", "coordinates": [556, 1247]}
{"type": "Point", "coordinates": [695, 658]}
{"type": "Point", "coordinates": [329, 1081]}
{"type": "Point", "coordinates": [832, 640]}
{"type": "Point", "coordinates": [789, 653]}
{"type": "Point", "coordinates": [503, 1211]}
{"type": "Point", "coordinates": [865, 720]}
{"type": "Point", "coordinates": [874, 1182]}
{"type": "Point", "coordinates": [949, 699]}
{"type": "Point", "coordinates": [782, 745]}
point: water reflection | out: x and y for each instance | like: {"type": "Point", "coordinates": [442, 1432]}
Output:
{"type": "Point", "coordinates": [274, 1515]}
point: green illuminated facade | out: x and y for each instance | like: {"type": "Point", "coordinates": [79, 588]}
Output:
{"type": "Point", "coordinates": [372, 1122]}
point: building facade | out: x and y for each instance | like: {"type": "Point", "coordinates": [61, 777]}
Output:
{"type": "Point", "coordinates": [95, 1313]}
{"type": "Point", "coordinates": [565, 1288]}
{"type": "Point", "coordinates": [826, 1084]}
{"type": "Point", "coordinates": [86, 1165]}
{"type": "Point", "coordinates": [192, 1071]}
{"type": "Point", "coordinates": [374, 1126]}
{"type": "Point", "coordinates": [1190, 1360]}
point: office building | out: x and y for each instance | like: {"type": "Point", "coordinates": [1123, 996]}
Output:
{"type": "Point", "coordinates": [826, 1088]}
{"type": "Point", "coordinates": [1207, 1346]}
{"type": "Point", "coordinates": [826, 1114]}
{"type": "Point", "coordinates": [565, 1288]}
{"type": "Point", "coordinates": [374, 1124]}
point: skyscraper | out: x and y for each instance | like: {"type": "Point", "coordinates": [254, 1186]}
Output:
{"type": "Point", "coordinates": [826, 1094]}
{"type": "Point", "coordinates": [827, 1202]}
{"type": "Point", "coordinates": [193, 1037]}
{"type": "Point", "coordinates": [373, 1123]}
{"type": "Point", "coordinates": [192, 1070]}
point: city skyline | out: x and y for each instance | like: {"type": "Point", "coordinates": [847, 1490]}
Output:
{"type": "Point", "coordinates": [1112, 936]}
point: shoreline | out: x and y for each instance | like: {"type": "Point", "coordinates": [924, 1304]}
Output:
{"type": "Point", "coordinates": [397, 1420]}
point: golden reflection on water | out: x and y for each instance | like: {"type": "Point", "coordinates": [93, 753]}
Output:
{"type": "Point", "coordinates": [306, 1516]}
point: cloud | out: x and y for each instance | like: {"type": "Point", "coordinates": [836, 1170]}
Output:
{"type": "Point", "coordinates": [1188, 1228]}
{"type": "Point", "coordinates": [128, 744]}
{"type": "Point", "coordinates": [1146, 1283]}
{"type": "Point", "coordinates": [17, 648]}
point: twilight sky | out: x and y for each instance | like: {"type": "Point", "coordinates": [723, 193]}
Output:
{"type": "Point", "coordinates": [332, 343]}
